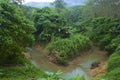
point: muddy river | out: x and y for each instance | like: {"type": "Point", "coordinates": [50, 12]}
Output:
{"type": "Point", "coordinates": [78, 66]}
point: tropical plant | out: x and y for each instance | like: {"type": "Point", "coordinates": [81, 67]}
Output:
{"type": "Point", "coordinates": [51, 75]}
{"type": "Point", "coordinates": [104, 30]}
{"type": "Point", "coordinates": [49, 23]}
{"type": "Point", "coordinates": [15, 34]}
{"type": "Point", "coordinates": [59, 5]}
{"type": "Point", "coordinates": [65, 49]}
{"type": "Point", "coordinates": [113, 74]}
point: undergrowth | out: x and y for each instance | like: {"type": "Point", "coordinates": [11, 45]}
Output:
{"type": "Point", "coordinates": [20, 72]}
{"type": "Point", "coordinates": [30, 72]}
{"type": "Point", "coordinates": [65, 49]}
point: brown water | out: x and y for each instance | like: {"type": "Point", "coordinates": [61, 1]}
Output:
{"type": "Point", "coordinates": [78, 66]}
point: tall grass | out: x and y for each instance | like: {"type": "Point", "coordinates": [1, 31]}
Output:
{"type": "Point", "coordinates": [20, 72]}
{"type": "Point", "coordinates": [113, 69]}
{"type": "Point", "coordinates": [65, 49]}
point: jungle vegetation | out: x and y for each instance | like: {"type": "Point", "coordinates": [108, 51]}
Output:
{"type": "Point", "coordinates": [65, 31]}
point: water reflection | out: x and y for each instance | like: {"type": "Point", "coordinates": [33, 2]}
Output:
{"type": "Point", "coordinates": [79, 66]}
{"type": "Point", "coordinates": [78, 71]}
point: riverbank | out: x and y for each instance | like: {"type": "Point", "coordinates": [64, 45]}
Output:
{"type": "Point", "coordinates": [98, 72]}
{"type": "Point", "coordinates": [78, 66]}
{"type": "Point", "coordinates": [83, 62]}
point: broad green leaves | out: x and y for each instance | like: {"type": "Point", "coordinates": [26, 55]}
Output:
{"type": "Point", "coordinates": [49, 23]}
{"type": "Point", "coordinates": [106, 31]}
{"type": "Point", "coordinates": [65, 49]}
{"type": "Point", "coordinates": [15, 33]}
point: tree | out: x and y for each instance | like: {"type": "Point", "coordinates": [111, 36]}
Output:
{"type": "Point", "coordinates": [73, 14]}
{"type": "Point", "coordinates": [106, 8]}
{"type": "Point", "coordinates": [59, 4]}
{"type": "Point", "coordinates": [49, 23]}
{"type": "Point", "coordinates": [15, 34]}
{"type": "Point", "coordinates": [106, 32]}
{"type": "Point", "coordinates": [27, 11]}
{"type": "Point", "coordinates": [17, 1]}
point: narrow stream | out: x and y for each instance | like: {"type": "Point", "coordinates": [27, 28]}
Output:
{"type": "Point", "coordinates": [78, 66]}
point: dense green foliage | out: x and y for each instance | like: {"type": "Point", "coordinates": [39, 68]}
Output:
{"type": "Point", "coordinates": [15, 34]}
{"type": "Point", "coordinates": [113, 75]}
{"type": "Point", "coordinates": [49, 23]}
{"type": "Point", "coordinates": [59, 4]}
{"type": "Point", "coordinates": [113, 70]}
{"type": "Point", "coordinates": [113, 63]}
{"type": "Point", "coordinates": [66, 30]}
{"type": "Point", "coordinates": [106, 32]}
{"type": "Point", "coordinates": [104, 8]}
{"type": "Point", "coordinates": [73, 14]}
{"type": "Point", "coordinates": [29, 72]}
{"type": "Point", "coordinates": [20, 73]}
{"type": "Point", "coordinates": [27, 11]}
{"type": "Point", "coordinates": [65, 49]}
{"type": "Point", "coordinates": [101, 20]}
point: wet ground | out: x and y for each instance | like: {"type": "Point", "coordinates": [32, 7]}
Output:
{"type": "Point", "coordinates": [78, 66]}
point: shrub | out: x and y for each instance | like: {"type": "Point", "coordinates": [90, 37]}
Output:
{"type": "Point", "coordinates": [64, 49]}
{"type": "Point", "coordinates": [21, 72]}
{"type": "Point", "coordinates": [106, 33]}
{"type": "Point", "coordinates": [113, 75]}
{"type": "Point", "coordinates": [118, 49]}
{"type": "Point", "coordinates": [114, 62]}
{"type": "Point", "coordinates": [15, 34]}
{"type": "Point", "coordinates": [114, 44]}
{"type": "Point", "coordinates": [113, 70]}
{"type": "Point", "coordinates": [48, 22]}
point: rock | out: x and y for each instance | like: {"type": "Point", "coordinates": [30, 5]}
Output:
{"type": "Point", "coordinates": [98, 72]}
{"type": "Point", "coordinates": [94, 65]}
